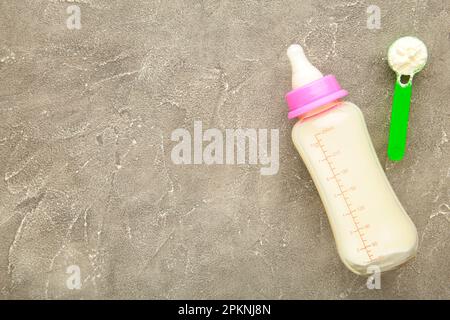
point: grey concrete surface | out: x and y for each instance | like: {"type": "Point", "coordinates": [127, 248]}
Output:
{"type": "Point", "coordinates": [86, 176]}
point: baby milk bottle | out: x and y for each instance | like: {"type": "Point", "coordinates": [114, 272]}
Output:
{"type": "Point", "coordinates": [370, 226]}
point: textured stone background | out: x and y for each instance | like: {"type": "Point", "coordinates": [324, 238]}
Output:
{"type": "Point", "coordinates": [86, 175]}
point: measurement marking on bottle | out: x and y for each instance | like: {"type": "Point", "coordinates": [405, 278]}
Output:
{"type": "Point", "coordinates": [344, 194]}
{"type": "Point", "coordinates": [349, 213]}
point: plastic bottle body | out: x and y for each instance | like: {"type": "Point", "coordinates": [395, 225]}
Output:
{"type": "Point", "coordinates": [369, 224]}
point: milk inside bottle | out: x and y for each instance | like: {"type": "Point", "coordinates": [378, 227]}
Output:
{"type": "Point", "coordinates": [369, 224]}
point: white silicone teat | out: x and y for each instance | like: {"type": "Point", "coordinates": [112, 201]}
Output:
{"type": "Point", "coordinates": [303, 72]}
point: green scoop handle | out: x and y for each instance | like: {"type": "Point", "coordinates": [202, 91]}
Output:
{"type": "Point", "coordinates": [399, 120]}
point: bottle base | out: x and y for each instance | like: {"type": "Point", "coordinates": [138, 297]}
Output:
{"type": "Point", "coordinates": [383, 264]}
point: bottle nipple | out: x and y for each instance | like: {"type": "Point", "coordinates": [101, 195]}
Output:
{"type": "Point", "coordinates": [304, 97]}
{"type": "Point", "coordinates": [303, 72]}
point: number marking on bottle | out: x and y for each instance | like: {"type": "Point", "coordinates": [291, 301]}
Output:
{"type": "Point", "coordinates": [344, 193]}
